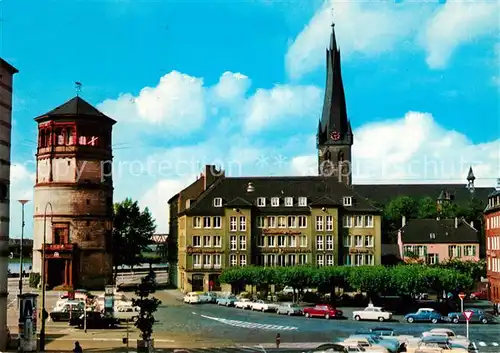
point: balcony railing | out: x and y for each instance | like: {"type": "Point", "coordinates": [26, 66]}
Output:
{"type": "Point", "coordinates": [59, 247]}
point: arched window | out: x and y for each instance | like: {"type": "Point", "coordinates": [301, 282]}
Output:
{"type": "Point", "coordinates": [341, 156]}
{"type": "Point", "coordinates": [328, 155]}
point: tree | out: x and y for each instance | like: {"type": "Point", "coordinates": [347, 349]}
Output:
{"type": "Point", "coordinates": [472, 269]}
{"type": "Point", "coordinates": [426, 208]}
{"type": "Point", "coordinates": [148, 307]}
{"type": "Point", "coordinates": [370, 279]}
{"type": "Point", "coordinates": [132, 233]}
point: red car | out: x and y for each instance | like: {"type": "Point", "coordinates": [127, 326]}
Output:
{"type": "Point", "coordinates": [322, 310]}
{"type": "Point", "coordinates": [481, 295]}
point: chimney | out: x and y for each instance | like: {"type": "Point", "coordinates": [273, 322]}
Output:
{"type": "Point", "coordinates": [403, 221]}
{"type": "Point", "coordinates": [212, 173]}
{"type": "Point", "coordinates": [456, 222]}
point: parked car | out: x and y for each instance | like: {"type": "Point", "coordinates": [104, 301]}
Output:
{"type": "Point", "coordinates": [439, 344]}
{"type": "Point", "coordinates": [67, 311]}
{"type": "Point", "coordinates": [385, 332]}
{"type": "Point", "coordinates": [226, 301]}
{"type": "Point", "coordinates": [261, 305]}
{"type": "Point", "coordinates": [372, 313]}
{"type": "Point", "coordinates": [289, 290]}
{"type": "Point", "coordinates": [449, 334]}
{"type": "Point", "coordinates": [480, 295]}
{"type": "Point", "coordinates": [95, 320]}
{"type": "Point", "coordinates": [208, 297]}
{"type": "Point", "coordinates": [329, 348]}
{"type": "Point", "coordinates": [126, 313]}
{"type": "Point", "coordinates": [424, 315]}
{"type": "Point", "coordinates": [363, 345]}
{"type": "Point", "coordinates": [391, 345]}
{"type": "Point", "coordinates": [289, 309]}
{"type": "Point", "coordinates": [192, 298]}
{"type": "Point", "coordinates": [323, 310]}
{"type": "Point", "coordinates": [243, 303]}
{"type": "Point", "coordinates": [477, 316]}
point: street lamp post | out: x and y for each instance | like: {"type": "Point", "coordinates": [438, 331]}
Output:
{"type": "Point", "coordinates": [44, 315]}
{"type": "Point", "coordinates": [22, 202]}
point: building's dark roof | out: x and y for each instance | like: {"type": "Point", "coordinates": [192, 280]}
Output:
{"type": "Point", "coordinates": [320, 191]}
{"type": "Point", "coordinates": [334, 116]}
{"type": "Point", "coordinates": [9, 67]}
{"type": "Point", "coordinates": [382, 193]}
{"type": "Point", "coordinates": [239, 202]}
{"type": "Point", "coordinates": [419, 231]}
{"type": "Point", "coordinates": [76, 106]}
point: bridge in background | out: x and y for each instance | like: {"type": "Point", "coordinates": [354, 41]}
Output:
{"type": "Point", "coordinates": [131, 279]}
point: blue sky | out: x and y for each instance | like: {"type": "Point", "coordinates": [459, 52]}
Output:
{"type": "Point", "coordinates": [241, 84]}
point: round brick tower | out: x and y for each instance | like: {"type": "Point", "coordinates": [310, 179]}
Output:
{"type": "Point", "coordinates": [74, 196]}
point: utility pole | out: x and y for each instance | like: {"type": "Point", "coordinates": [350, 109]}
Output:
{"type": "Point", "coordinates": [22, 202]}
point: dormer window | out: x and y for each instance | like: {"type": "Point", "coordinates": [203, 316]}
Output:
{"type": "Point", "coordinates": [218, 202]}
{"type": "Point", "coordinates": [289, 201]}
{"type": "Point", "coordinates": [302, 201]}
{"type": "Point", "coordinates": [275, 202]}
{"type": "Point", "coordinates": [347, 201]}
{"type": "Point", "coordinates": [261, 202]}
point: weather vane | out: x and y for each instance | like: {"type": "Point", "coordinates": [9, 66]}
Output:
{"type": "Point", "coordinates": [333, 16]}
{"type": "Point", "coordinates": [78, 87]}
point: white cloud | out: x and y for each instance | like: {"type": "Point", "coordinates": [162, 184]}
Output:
{"type": "Point", "coordinates": [414, 149]}
{"type": "Point", "coordinates": [231, 86]}
{"type": "Point", "coordinates": [370, 29]}
{"type": "Point", "coordinates": [455, 23]}
{"type": "Point", "coordinates": [21, 188]}
{"type": "Point", "coordinates": [266, 108]}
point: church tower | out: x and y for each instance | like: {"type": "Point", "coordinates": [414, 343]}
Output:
{"type": "Point", "coordinates": [334, 138]}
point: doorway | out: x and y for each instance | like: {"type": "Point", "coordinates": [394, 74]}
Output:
{"type": "Point", "coordinates": [214, 283]}
{"type": "Point", "coordinates": [55, 273]}
{"type": "Point", "coordinates": [197, 282]}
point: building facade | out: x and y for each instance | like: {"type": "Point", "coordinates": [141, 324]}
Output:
{"type": "Point", "coordinates": [492, 221]}
{"type": "Point", "coordinates": [73, 199]}
{"type": "Point", "coordinates": [432, 241]}
{"type": "Point", "coordinates": [272, 221]}
{"type": "Point", "coordinates": [7, 72]}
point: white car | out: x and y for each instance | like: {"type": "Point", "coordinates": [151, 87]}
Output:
{"type": "Point", "coordinates": [372, 313]}
{"type": "Point", "coordinates": [127, 313]}
{"type": "Point", "coordinates": [192, 298]}
{"type": "Point", "coordinates": [444, 332]}
{"type": "Point", "coordinates": [354, 345]}
{"type": "Point", "coordinates": [205, 297]}
{"type": "Point", "coordinates": [243, 303]}
{"type": "Point", "coordinates": [289, 290]}
{"type": "Point", "coordinates": [262, 305]}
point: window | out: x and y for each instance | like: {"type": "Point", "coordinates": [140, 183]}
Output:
{"type": "Point", "coordinates": [347, 260]}
{"type": "Point", "coordinates": [292, 260]}
{"type": "Point", "coordinates": [217, 222]}
{"type": "Point", "coordinates": [432, 236]}
{"type": "Point", "coordinates": [196, 260]}
{"type": "Point", "coordinates": [303, 241]}
{"type": "Point", "coordinates": [243, 260]}
{"type": "Point", "coordinates": [358, 260]}
{"type": "Point", "coordinates": [320, 261]}
{"type": "Point", "coordinates": [289, 201]}
{"type": "Point", "coordinates": [347, 241]}
{"type": "Point", "coordinates": [347, 201]}
{"type": "Point", "coordinates": [347, 221]}
{"type": "Point", "coordinates": [292, 241]}
{"type": "Point", "coordinates": [275, 202]}
{"type": "Point", "coordinates": [369, 221]}
{"type": "Point", "coordinates": [207, 261]}
{"type": "Point", "coordinates": [319, 223]}
{"type": "Point", "coordinates": [196, 241]}
{"type": "Point", "coordinates": [271, 242]}
{"type": "Point", "coordinates": [261, 223]}
{"type": "Point", "coordinates": [206, 222]}
{"type": "Point", "coordinates": [453, 251]}
{"type": "Point", "coordinates": [271, 260]}
{"type": "Point", "coordinates": [243, 242]}
{"type": "Point", "coordinates": [196, 222]}
{"type": "Point", "coordinates": [260, 240]}
{"type": "Point", "coordinates": [470, 250]}
{"type": "Point", "coordinates": [358, 241]}
{"type": "Point", "coordinates": [206, 241]}
{"type": "Point", "coordinates": [232, 260]}
{"type": "Point", "coordinates": [329, 223]}
{"type": "Point", "coordinates": [319, 242]}
{"type": "Point", "coordinates": [432, 259]}
{"type": "Point", "coordinates": [329, 242]}
{"type": "Point", "coordinates": [233, 226]}
{"type": "Point", "coordinates": [243, 223]}
{"type": "Point", "coordinates": [217, 261]}
{"type": "Point", "coordinates": [261, 202]}
{"type": "Point", "coordinates": [292, 222]}
{"type": "Point", "coordinates": [217, 241]}
{"type": "Point", "coordinates": [329, 260]}
{"type": "Point", "coordinates": [358, 221]}
{"type": "Point", "coordinates": [218, 202]}
{"type": "Point", "coordinates": [281, 241]}
{"type": "Point", "coordinates": [281, 222]}
{"type": "Point", "coordinates": [302, 201]}
{"type": "Point", "coordinates": [271, 222]}
{"type": "Point", "coordinates": [369, 241]}
{"type": "Point", "coordinates": [233, 243]}
{"type": "Point", "coordinates": [302, 222]}
{"type": "Point", "coordinates": [281, 260]}
{"type": "Point", "coordinates": [302, 259]}
{"type": "Point", "coordinates": [369, 260]}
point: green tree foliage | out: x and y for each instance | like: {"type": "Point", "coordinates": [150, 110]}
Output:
{"type": "Point", "coordinates": [132, 233]}
{"type": "Point", "coordinates": [148, 305]}
{"type": "Point", "coordinates": [427, 208]}
{"type": "Point", "coordinates": [403, 280]}
{"type": "Point", "coordinates": [472, 269]}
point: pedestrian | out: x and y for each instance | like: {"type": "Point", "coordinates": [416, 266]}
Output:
{"type": "Point", "coordinates": [278, 340]}
{"type": "Point", "coordinates": [78, 348]}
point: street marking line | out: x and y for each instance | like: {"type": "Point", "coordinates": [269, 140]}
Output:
{"type": "Point", "coordinates": [475, 347]}
{"type": "Point", "coordinates": [251, 325]}
{"type": "Point", "coordinates": [495, 344]}
{"type": "Point", "coordinates": [482, 344]}
{"type": "Point", "coordinates": [193, 313]}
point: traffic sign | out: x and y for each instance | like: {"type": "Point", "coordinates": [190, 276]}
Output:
{"type": "Point", "coordinates": [468, 315]}
{"type": "Point", "coordinates": [461, 296]}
